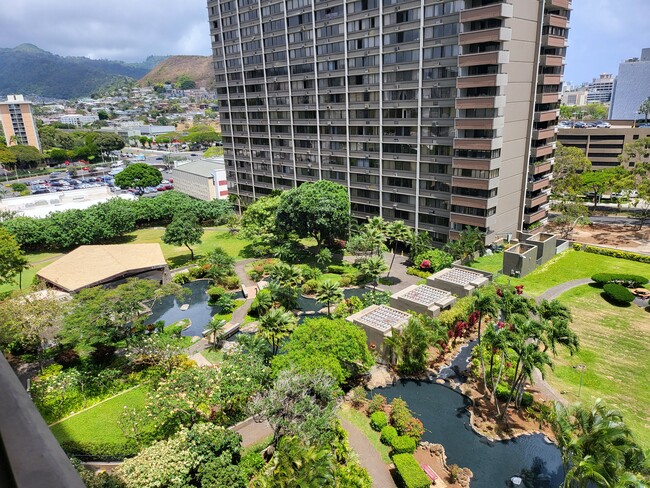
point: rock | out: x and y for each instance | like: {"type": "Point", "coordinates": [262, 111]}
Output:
{"type": "Point", "coordinates": [251, 328]}
{"type": "Point", "coordinates": [380, 377]}
{"type": "Point", "coordinates": [440, 381]}
{"type": "Point", "coordinates": [229, 346]}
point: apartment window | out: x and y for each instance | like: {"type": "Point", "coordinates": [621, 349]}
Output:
{"type": "Point", "coordinates": [434, 220]}
{"type": "Point", "coordinates": [400, 95]}
{"type": "Point", "coordinates": [402, 57]}
{"type": "Point", "coordinates": [276, 8]}
{"type": "Point", "coordinates": [401, 113]}
{"type": "Point", "coordinates": [474, 154]}
{"type": "Point", "coordinates": [325, 66]}
{"type": "Point", "coordinates": [363, 62]}
{"type": "Point", "coordinates": [272, 26]}
{"type": "Point", "coordinates": [439, 73]}
{"type": "Point", "coordinates": [253, 30]}
{"type": "Point", "coordinates": [331, 48]}
{"type": "Point", "coordinates": [400, 131]}
{"type": "Point", "coordinates": [248, 16]}
{"type": "Point", "coordinates": [399, 76]}
{"type": "Point", "coordinates": [443, 8]}
{"type": "Point", "coordinates": [362, 25]}
{"type": "Point", "coordinates": [476, 173]}
{"type": "Point", "coordinates": [400, 148]}
{"type": "Point", "coordinates": [294, 4]}
{"type": "Point", "coordinates": [363, 208]}
{"type": "Point", "coordinates": [401, 17]}
{"type": "Point", "coordinates": [445, 30]}
{"type": "Point", "coordinates": [329, 31]}
{"type": "Point", "coordinates": [276, 57]}
{"type": "Point", "coordinates": [296, 20]}
{"type": "Point", "coordinates": [435, 131]}
{"type": "Point", "coordinates": [303, 52]}
{"type": "Point", "coordinates": [299, 69]}
{"type": "Point", "coordinates": [434, 203]}
{"type": "Point", "coordinates": [473, 192]}
{"type": "Point", "coordinates": [363, 43]}
{"type": "Point", "coordinates": [362, 5]}
{"type": "Point", "coordinates": [252, 45]}
{"type": "Point", "coordinates": [437, 52]}
{"type": "Point", "coordinates": [275, 41]}
{"type": "Point", "coordinates": [301, 36]}
{"type": "Point", "coordinates": [401, 37]}
{"type": "Point", "coordinates": [438, 92]}
{"type": "Point", "coordinates": [478, 212]}
{"type": "Point", "coordinates": [329, 13]}
{"type": "Point", "coordinates": [436, 150]}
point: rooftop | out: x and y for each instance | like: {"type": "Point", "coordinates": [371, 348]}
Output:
{"type": "Point", "coordinates": [382, 318]}
{"type": "Point", "coordinates": [426, 295]}
{"type": "Point", "coordinates": [459, 276]}
{"type": "Point", "coordinates": [202, 167]}
{"type": "Point", "coordinates": [93, 265]}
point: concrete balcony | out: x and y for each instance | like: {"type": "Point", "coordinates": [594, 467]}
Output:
{"type": "Point", "coordinates": [549, 80]}
{"type": "Point", "coordinates": [496, 57]}
{"type": "Point", "coordinates": [482, 81]}
{"type": "Point", "coordinates": [474, 183]}
{"type": "Point", "coordinates": [469, 163]}
{"type": "Point", "coordinates": [498, 11]}
{"type": "Point", "coordinates": [535, 217]}
{"type": "Point", "coordinates": [537, 200]}
{"type": "Point", "coordinates": [540, 152]}
{"type": "Point", "coordinates": [551, 60]}
{"type": "Point", "coordinates": [500, 34]}
{"type": "Point", "coordinates": [538, 185]}
{"type": "Point", "coordinates": [544, 133]}
{"type": "Point", "coordinates": [565, 4]}
{"type": "Point", "coordinates": [556, 21]}
{"type": "Point", "coordinates": [488, 123]}
{"type": "Point", "coordinates": [478, 144]}
{"type": "Point", "coordinates": [472, 220]}
{"type": "Point", "coordinates": [536, 169]}
{"type": "Point", "coordinates": [547, 97]}
{"type": "Point", "coordinates": [553, 41]}
{"type": "Point", "coordinates": [480, 102]}
{"type": "Point", "coordinates": [547, 115]}
{"type": "Point", "coordinates": [474, 201]}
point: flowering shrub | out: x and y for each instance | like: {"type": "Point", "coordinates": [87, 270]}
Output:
{"type": "Point", "coordinates": [425, 264]}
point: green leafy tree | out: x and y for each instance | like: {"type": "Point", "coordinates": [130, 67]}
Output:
{"type": "Point", "coordinates": [183, 230]}
{"type": "Point", "coordinates": [336, 346]}
{"type": "Point", "coordinates": [258, 220]}
{"type": "Point", "coordinates": [597, 182]}
{"type": "Point", "coordinates": [221, 264]}
{"type": "Point", "coordinates": [320, 210]}
{"type": "Point", "coordinates": [275, 325]}
{"type": "Point", "coordinates": [26, 156]}
{"type": "Point", "coordinates": [12, 259]}
{"type": "Point", "coordinates": [139, 176]}
{"type": "Point", "coordinates": [7, 158]}
{"type": "Point", "coordinates": [214, 331]}
{"type": "Point", "coordinates": [328, 292]}
{"type": "Point", "coordinates": [373, 267]}
{"type": "Point", "coordinates": [570, 163]}
{"type": "Point", "coordinates": [644, 108]}
{"type": "Point", "coordinates": [410, 346]}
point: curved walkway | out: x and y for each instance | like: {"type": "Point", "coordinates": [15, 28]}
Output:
{"type": "Point", "coordinates": [556, 291]}
{"type": "Point", "coordinates": [368, 457]}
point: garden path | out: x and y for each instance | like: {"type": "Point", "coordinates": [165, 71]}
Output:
{"type": "Point", "coordinates": [398, 274]}
{"type": "Point", "coordinates": [556, 291]}
{"type": "Point", "coordinates": [369, 457]}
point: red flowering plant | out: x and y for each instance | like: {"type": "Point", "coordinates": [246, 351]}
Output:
{"type": "Point", "coordinates": [425, 264]}
{"type": "Point", "coordinates": [519, 289]}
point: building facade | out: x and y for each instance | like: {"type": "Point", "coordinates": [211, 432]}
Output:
{"type": "Point", "coordinates": [438, 113]}
{"type": "Point", "coordinates": [632, 88]}
{"type": "Point", "coordinates": [78, 120]}
{"type": "Point", "coordinates": [602, 146]}
{"type": "Point", "coordinates": [18, 123]}
{"type": "Point", "coordinates": [574, 97]}
{"type": "Point", "coordinates": [203, 179]}
{"type": "Point", "coordinates": [600, 89]}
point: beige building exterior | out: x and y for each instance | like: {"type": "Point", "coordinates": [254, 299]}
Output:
{"type": "Point", "coordinates": [18, 122]}
{"type": "Point", "coordinates": [204, 179]}
{"type": "Point", "coordinates": [602, 146]}
{"type": "Point", "coordinates": [440, 114]}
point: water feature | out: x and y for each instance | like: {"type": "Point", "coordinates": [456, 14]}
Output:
{"type": "Point", "coordinates": [443, 412]}
{"type": "Point", "coordinates": [199, 311]}
{"type": "Point", "coordinates": [458, 367]}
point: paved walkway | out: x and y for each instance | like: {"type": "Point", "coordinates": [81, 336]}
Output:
{"type": "Point", "coordinates": [397, 273]}
{"type": "Point", "coordinates": [369, 457]}
{"type": "Point", "coordinates": [252, 432]}
{"type": "Point", "coordinates": [556, 291]}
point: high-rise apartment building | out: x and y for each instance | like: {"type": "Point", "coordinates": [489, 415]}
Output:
{"type": "Point", "coordinates": [18, 122]}
{"type": "Point", "coordinates": [438, 113]}
{"type": "Point", "coordinates": [632, 88]}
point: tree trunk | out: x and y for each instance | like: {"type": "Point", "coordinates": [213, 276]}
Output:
{"type": "Point", "coordinates": [494, 398]}
{"type": "Point", "coordinates": [191, 252]}
{"type": "Point", "coordinates": [513, 388]}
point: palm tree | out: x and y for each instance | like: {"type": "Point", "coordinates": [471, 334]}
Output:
{"type": "Point", "coordinates": [275, 326]}
{"type": "Point", "coordinates": [262, 302]}
{"type": "Point", "coordinates": [377, 223]}
{"type": "Point", "coordinates": [415, 342]}
{"type": "Point", "coordinates": [456, 249]}
{"type": "Point", "coordinates": [554, 309]}
{"type": "Point", "coordinates": [373, 267]}
{"type": "Point", "coordinates": [596, 447]}
{"type": "Point", "coordinates": [328, 292]}
{"type": "Point", "coordinates": [397, 231]}
{"type": "Point", "coordinates": [285, 275]}
{"type": "Point", "coordinates": [558, 332]}
{"type": "Point", "coordinates": [374, 239]}
{"type": "Point", "coordinates": [496, 340]}
{"type": "Point", "coordinates": [214, 330]}
{"type": "Point", "coordinates": [393, 344]}
{"type": "Point", "coordinates": [485, 304]}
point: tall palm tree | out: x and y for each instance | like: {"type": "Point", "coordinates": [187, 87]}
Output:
{"type": "Point", "coordinates": [275, 325]}
{"type": "Point", "coordinates": [262, 302]}
{"type": "Point", "coordinates": [496, 341]}
{"type": "Point", "coordinates": [397, 231]}
{"type": "Point", "coordinates": [377, 223]}
{"type": "Point", "coordinates": [554, 309]}
{"type": "Point", "coordinates": [328, 292]}
{"type": "Point", "coordinates": [557, 332]}
{"type": "Point", "coordinates": [373, 267]}
{"type": "Point", "coordinates": [374, 238]}
{"type": "Point", "coordinates": [596, 447]}
{"type": "Point", "coordinates": [393, 344]}
{"type": "Point", "coordinates": [214, 331]}
{"type": "Point", "coordinates": [485, 303]}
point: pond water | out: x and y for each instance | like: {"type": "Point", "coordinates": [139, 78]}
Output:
{"type": "Point", "coordinates": [444, 414]}
{"type": "Point", "coordinates": [200, 312]}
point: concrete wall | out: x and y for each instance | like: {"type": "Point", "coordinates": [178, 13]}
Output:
{"type": "Point", "coordinates": [545, 244]}
{"type": "Point", "coordinates": [521, 258]}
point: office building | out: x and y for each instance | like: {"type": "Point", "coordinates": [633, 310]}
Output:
{"type": "Point", "coordinates": [18, 123]}
{"type": "Point", "coordinates": [600, 89]}
{"type": "Point", "coordinates": [438, 113]}
{"type": "Point", "coordinates": [204, 179]}
{"type": "Point", "coordinates": [632, 88]}
{"type": "Point", "coordinates": [574, 98]}
{"type": "Point", "coordinates": [78, 120]}
{"type": "Point", "coordinates": [603, 146]}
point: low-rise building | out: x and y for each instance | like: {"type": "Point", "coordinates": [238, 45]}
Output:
{"type": "Point", "coordinates": [379, 321]}
{"type": "Point", "coordinates": [78, 120]}
{"type": "Point", "coordinates": [204, 179]}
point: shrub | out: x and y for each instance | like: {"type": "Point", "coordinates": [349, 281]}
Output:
{"type": "Point", "coordinates": [437, 259]}
{"type": "Point", "coordinates": [632, 256]}
{"type": "Point", "coordinates": [415, 271]}
{"type": "Point", "coordinates": [197, 273]}
{"type": "Point", "coordinates": [230, 282]}
{"type": "Point", "coordinates": [309, 273]}
{"type": "Point", "coordinates": [628, 280]}
{"type": "Point", "coordinates": [309, 288]}
{"type": "Point", "coordinates": [378, 421]}
{"type": "Point", "coordinates": [377, 404]}
{"type": "Point", "coordinates": [458, 312]}
{"type": "Point", "coordinates": [67, 358]}
{"type": "Point", "coordinates": [181, 278]}
{"type": "Point", "coordinates": [400, 415]}
{"type": "Point", "coordinates": [100, 451]}
{"type": "Point", "coordinates": [337, 269]}
{"type": "Point", "coordinates": [409, 472]}
{"type": "Point", "coordinates": [358, 396]}
{"type": "Point", "coordinates": [618, 293]}
{"type": "Point", "coordinates": [103, 354]}
{"type": "Point", "coordinates": [173, 330]}
{"type": "Point", "coordinates": [216, 292]}
{"type": "Point", "coordinates": [346, 280]}
{"type": "Point", "coordinates": [415, 429]}
{"type": "Point", "coordinates": [388, 433]}
{"type": "Point", "coordinates": [503, 393]}
{"type": "Point", "coordinates": [402, 444]}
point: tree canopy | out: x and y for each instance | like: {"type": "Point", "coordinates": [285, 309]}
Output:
{"type": "Point", "coordinates": [138, 175]}
{"type": "Point", "coordinates": [320, 210]}
{"type": "Point", "coordinates": [12, 258]}
{"type": "Point", "coordinates": [183, 230]}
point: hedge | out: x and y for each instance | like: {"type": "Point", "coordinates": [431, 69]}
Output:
{"type": "Point", "coordinates": [409, 472]}
{"type": "Point", "coordinates": [632, 256]}
{"type": "Point", "coordinates": [459, 311]}
{"type": "Point", "coordinates": [628, 280]}
{"type": "Point", "coordinates": [403, 444]}
{"type": "Point", "coordinates": [618, 293]}
{"type": "Point", "coordinates": [378, 421]}
{"type": "Point", "coordinates": [337, 269]}
{"type": "Point", "coordinates": [100, 451]}
{"type": "Point", "coordinates": [415, 271]}
{"type": "Point", "coordinates": [388, 433]}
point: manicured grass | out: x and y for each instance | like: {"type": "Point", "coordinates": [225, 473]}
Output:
{"type": "Point", "coordinates": [38, 261]}
{"type": "Point", "coordinates": [178, 256]}
{"type": "Point", "coordinates": [491, 264]}
{"type": "Point", "coordinates": [566, 266]}
{"type": "Point", "coordinates": [361, 422]}
{"type": "Point", "coordinates": [614, 347]}
{"type": "Point", "coordinates": [215, 357]}
{"type": "Point", "coordinates": [99, 423]}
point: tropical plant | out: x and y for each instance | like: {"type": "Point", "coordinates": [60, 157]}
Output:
{"type": "Point", "coordinates": [262, 302]}
{"type": "Point", "coordinates": [275, 325]}
{"type": "Point", "coordinates": [373, 267]}
{"type": "Point", "coordinates": [485, 304]}
{"type": "Point", "coordinates": [214, 330]}
{"type": "Point", "coordinates": [410, 346]}
{"type": "Point", "coordinates": [328, 292]}
{"type": "Point", "coordinates": [285, 275]}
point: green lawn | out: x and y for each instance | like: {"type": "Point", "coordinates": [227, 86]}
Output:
{"type": "Point", "coordinates": [178, 256]}
{"type": "Point", "coordinates": [566, 266]}
{"type": "Point", "coordinates": [99, 423]}
{"type": "Point", "coordinates": [38, 260]}
{"type": "Point", "coordinates": [491, 264]}
{"type": "Point", "coordinates": [614, 347]}
{"type": "Point", "coordinates": [361, 422]}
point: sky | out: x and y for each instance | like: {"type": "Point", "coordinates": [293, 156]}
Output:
{"type": "Point", "coordinates": [603, 32]}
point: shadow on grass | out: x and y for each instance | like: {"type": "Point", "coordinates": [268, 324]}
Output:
{"type": "Point", "coordinates": [615, 303]}
{"type": "Point", "coordinates": [182, 260]}
{"type": "Point", "coordinates": [389, 280]}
